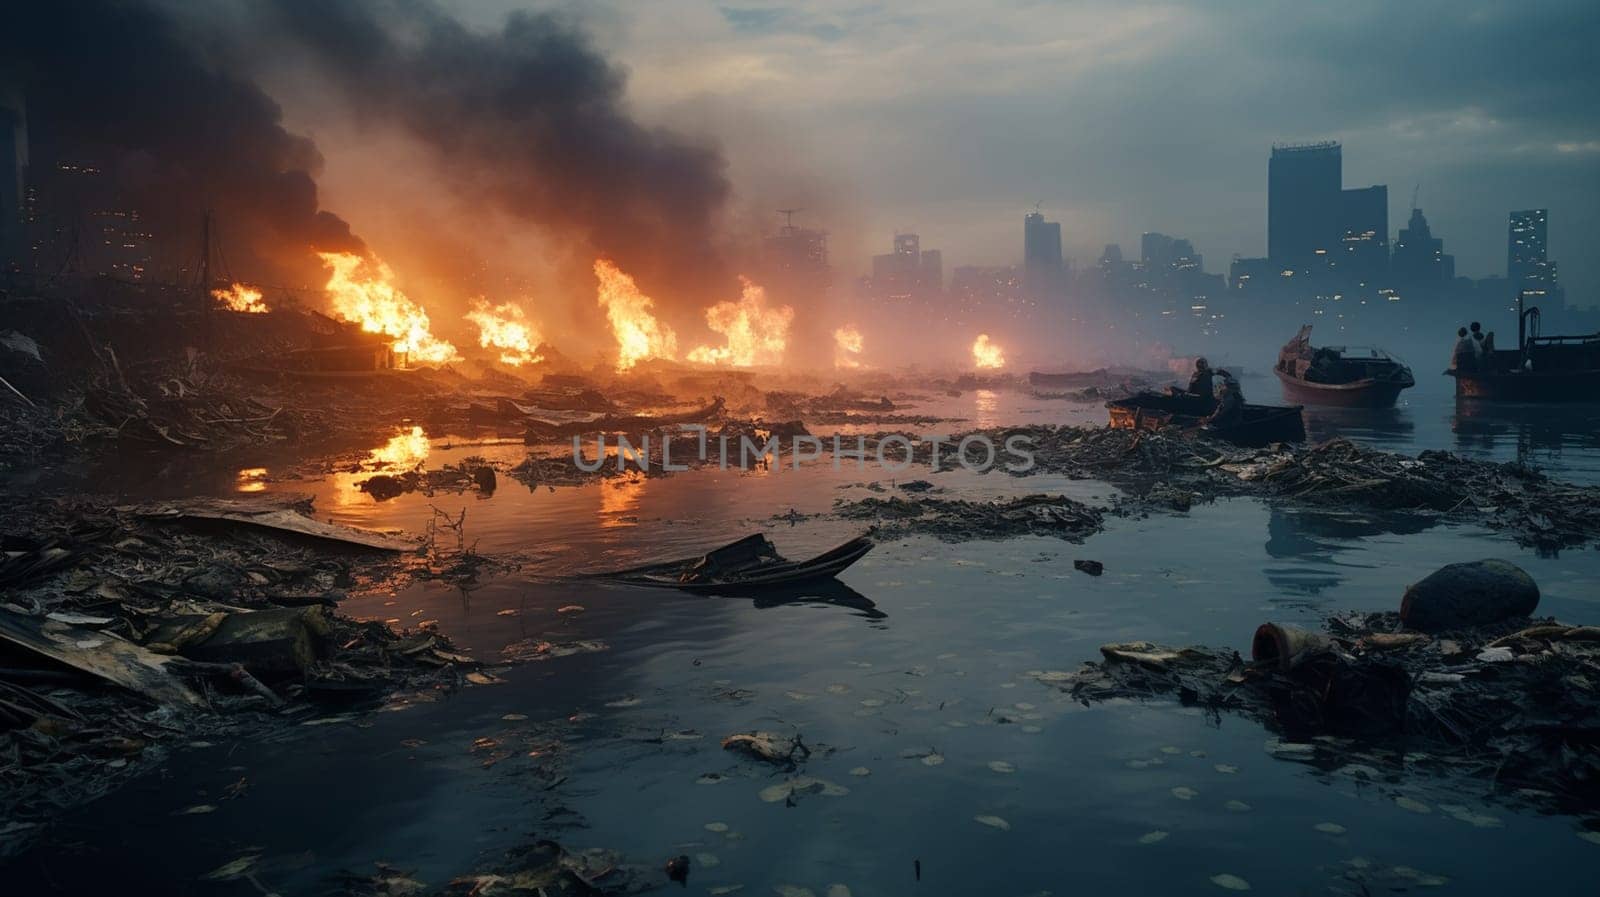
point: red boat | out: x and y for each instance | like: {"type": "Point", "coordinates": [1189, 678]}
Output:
{"type": "Point", "coordinates": [1345, 376]}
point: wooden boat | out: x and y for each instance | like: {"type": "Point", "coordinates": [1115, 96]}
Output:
{"type": "Point", "coordinates": [751, 564]}
{"type": "Point", "coordinates": [1542, 369]}
{"type": "Point", "coordinates": [1262, 424]}
{"type": "Point", "coordinates": [1347, 376]}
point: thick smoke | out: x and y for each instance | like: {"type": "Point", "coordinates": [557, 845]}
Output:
{"type": "Point", "coordinates": [122, 87]}
{"type": "Point", "coordinates": [531, 122]}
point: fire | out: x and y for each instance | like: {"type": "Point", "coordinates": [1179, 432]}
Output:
{"type": "Point", "coordinates": [847, 347]}
{"type": "Point", "coordinates": [506, 328]}
{"type": "Point", "coordinates": [986, 354]}
{"type": "Point", "coordinates": [241, 298]}
{"type": "Point", "coordinates": [404, 451]}
{"type": "Point", "coordinates": [639, 335]}
{"type": "Point", "coordinates": [755, 334]}
{"type": "Point", "coordinates": [364, 292]}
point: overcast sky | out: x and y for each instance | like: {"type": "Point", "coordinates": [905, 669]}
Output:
{"type": "Point", "coordinates": [953, 118]}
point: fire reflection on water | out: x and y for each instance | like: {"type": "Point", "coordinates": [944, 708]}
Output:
{"type": "Point", "coordinates": [404, 451]}
{"type": "Point", "coordinates": [619, 500]}
{"type": "Point", "coordinates": [987, 402]}
{"type": "Point", "coordinates": [251, 479]}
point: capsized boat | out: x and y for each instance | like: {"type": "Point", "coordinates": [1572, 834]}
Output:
{"type": "Point", "coordinates": [1260, 424]}
{"type": "Point", "coordinates": [1347, 376]}
{"type": "Point", "coordinates": [749, 564]}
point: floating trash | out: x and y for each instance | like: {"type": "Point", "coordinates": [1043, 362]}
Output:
{"type": "Point", "coordinates": [993, 822]}
{"type": "Point", "coordinates": [801, 786]}
{"type": "Point", "coordinates": [861, 771]}
{"type": "Point", "coordinates": [1230, 882]}
{"type": "Point", "coordinates": [1184, 792]}
{"type": "Point", "coordinates": [1155, 837]}
{"type": "Point", "coordinates": [718, 827]}
{"type": "Point", "coordinates": [1225, 769]}
{"type": "Point", "coordinates": [1001, 766]}
{"type": "Point", "coordinates": [1415, 806]}
{"type": "Point", "coordinates": [1237, 806]}
{"type": "Point", "coordinates": [1329, 828]}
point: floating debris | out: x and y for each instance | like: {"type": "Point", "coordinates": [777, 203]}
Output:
{"type": "Point", "coordinates": [993, 822]}
{"type": "Point", "coordinates": [1230, 882]}
{"type": "Point", "coordinates": [1155, 837]}
{"type": "Point", "coordinates": [790, 790]}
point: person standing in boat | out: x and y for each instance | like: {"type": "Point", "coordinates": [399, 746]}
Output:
{"type": "Point", "coordinates": [1200, 382]}
{"type": "Point", "coordinates": [1230, 408]}
{"type": "Point", "coordinates": [1465, 356]}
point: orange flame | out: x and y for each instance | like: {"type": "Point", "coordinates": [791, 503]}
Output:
{"type": "Point", "coordinates": [363, 292]}
{"type": "Point", "coordinates": [506, 328]}
{"type": "Point", "coordinates": [639, 335]}
{"type": "Point", "coordinates": [241, 298]}
{"type": "Point", "coordinates": [847, 345]}
{"type": "Point", "coordinates": [755, 334]}
{"type": "Point", "coordinates": [986, 354]}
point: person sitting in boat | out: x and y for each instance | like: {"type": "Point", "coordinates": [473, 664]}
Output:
{"type": "Point", "coordinates": [1230, 409]}
{"type": "Point", "coordinates": [1465, 356]}
{"type": "Point", "coordinates": [1200, 382]}
{"type": "Point", "coordinates": [1480, 348]}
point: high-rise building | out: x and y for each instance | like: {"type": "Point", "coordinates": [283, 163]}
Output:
{"type": "Point", "coordinates": [1303, 201]}
{"type": "Point", "coordinates": [907, 271]}
{"type": "Point", "coordinates": [1527, 249]}
{"type": "Point", "coordinates": [1419, 256]}
{"type": "Point", "coordinates": [1042, 269]}
{"type": "Point", "coordinates": [1161, 252]}
{"type": "Point", "coordinates": [13, 160]}
{"type": "Point", "coordinates": [1364, 230]}
{"type": "Point", "coordinates": [796, 258]}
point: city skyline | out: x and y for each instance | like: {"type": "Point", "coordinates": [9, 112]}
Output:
{"type": "Point", "coordinates": [950, 121]}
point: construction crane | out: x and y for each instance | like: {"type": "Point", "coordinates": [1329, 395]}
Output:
{"type": "Point", "coordinates": [788, 219]}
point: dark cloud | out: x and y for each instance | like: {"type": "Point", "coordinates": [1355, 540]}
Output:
{"type": "Point", "coordinates": [121, 86]}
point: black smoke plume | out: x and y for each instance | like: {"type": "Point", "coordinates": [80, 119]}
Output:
{"type": "Point", "coordinates": [125, 88]}
{"type": "Point", "coordinates": [529, 120]}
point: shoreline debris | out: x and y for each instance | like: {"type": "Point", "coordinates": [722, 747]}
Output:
{"type": "Point", "coordinates": [1509, 699]}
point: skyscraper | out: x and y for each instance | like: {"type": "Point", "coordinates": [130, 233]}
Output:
{"type": "Point", "coordinates": [1419, 256]}
{"type": "Point", "coordinates": [1364, 230]}
{"type": "Point", "coordinates": [13, 159]}
{"type": "Point", "coordinates": [1527, 249]}
{"type": "Point", "coordinates": [908, 270]}
{"type": "Point", "coordinates": [1303, 201]}
{"type": "Point", "coordinates": [1041, 255]}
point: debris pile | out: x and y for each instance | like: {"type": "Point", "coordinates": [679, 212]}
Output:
{"type": "Point", "coordinates": [956, 519]}
{"type": "Point", "coordinates": [1167, 470]}
{"type": "Point", "coordinates": [1508, 698]}
{"type": "Point", "coordinates": [125, 627]}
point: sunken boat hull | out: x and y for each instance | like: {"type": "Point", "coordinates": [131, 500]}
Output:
{"type": "Point", "coordinates": [1262, 424]}
{"type": "Point", "coordinates": [748, 566]}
